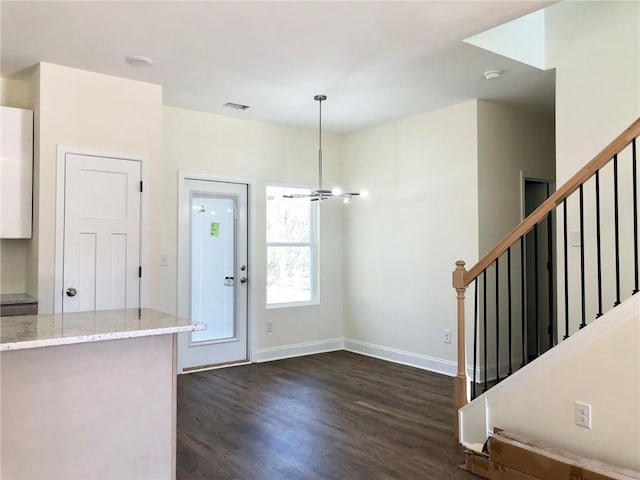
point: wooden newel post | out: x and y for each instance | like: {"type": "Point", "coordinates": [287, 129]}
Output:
{"type": "Point", "coordinates": [460, 381]}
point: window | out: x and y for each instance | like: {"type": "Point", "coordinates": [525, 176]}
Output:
{"type": "Point", "coordinates": [291, 248]}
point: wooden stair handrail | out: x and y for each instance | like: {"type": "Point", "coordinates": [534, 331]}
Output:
{"type": "Point", "coordinates": [462, 278]}
{"type": "Point", "coordinates": [584, 174]}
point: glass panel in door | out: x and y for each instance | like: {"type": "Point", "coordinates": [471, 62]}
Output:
{"type": "Point", "coordinates": [212, 267]}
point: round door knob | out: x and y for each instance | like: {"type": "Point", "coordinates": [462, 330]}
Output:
{"type": "Point", "coordinates": [71, 292]}
{"type": "Point", "coordinates": [244, 280]}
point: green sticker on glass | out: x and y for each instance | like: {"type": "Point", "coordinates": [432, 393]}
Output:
{"type": "Point", "coordinates": [215, 229]}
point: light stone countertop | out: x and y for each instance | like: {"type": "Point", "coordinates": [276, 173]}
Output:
{"type": "Point", "coordinates": [34, 331]}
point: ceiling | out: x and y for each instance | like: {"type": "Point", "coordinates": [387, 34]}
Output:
{"type": "Point", "coordinates": [376, 61]}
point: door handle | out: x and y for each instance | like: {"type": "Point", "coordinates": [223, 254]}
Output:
{"type": "Point", "coordinates": [71, 292]}
{"type": "Point", "coordinates": [244, 280]}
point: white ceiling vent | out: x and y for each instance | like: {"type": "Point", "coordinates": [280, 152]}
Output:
{"type": "Point", "coordinates": [139, 61]}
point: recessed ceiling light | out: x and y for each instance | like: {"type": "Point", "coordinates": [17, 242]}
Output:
{"type": "Point", "coordinates": [237, 106]}
{"type": "Point", "coordinates": [139, 61]}
{"type": "Point", "coordinates": [492, 74]}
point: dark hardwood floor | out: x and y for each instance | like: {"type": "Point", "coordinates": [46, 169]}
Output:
{"type": "Point", "coordinates": [329, 416]}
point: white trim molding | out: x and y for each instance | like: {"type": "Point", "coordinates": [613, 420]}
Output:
{"type": "Point", "coordinates": [425, 362]}
{"type": "Point", "coordinates": [298, 350]}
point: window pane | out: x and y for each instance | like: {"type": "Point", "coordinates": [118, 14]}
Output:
{"type": "Point", "coordinates": [287, 218]}
{"type": "Point", "coordinates": [288, 274]}
{"type": "Point", "coordinates": [212, 253]}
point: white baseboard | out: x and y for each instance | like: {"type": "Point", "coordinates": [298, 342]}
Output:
{"type": "Point", "coordinates": [425, 362]}
{"type": "Point", "coordinates": [298, 350]}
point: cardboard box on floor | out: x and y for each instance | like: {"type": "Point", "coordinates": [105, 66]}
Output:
{"type": "Point", "coordinates": [525, 456]}
{"type": "Point", "coordinates": [480, 465]}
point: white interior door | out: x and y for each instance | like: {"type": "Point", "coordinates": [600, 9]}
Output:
{"type": "Point", "coordinates": [101, 252]}
{"type": "Point", "coordinates": [213, 273]}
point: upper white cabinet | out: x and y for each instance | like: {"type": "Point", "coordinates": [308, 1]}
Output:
{"type": "Point", "coordinates": [16, 171]}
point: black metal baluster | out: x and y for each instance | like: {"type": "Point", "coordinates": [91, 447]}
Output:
{"type": "Point", "coordinates": [497, 320]}
{"type": "Point", "coordinates": [523, 302]}
{"type": "Point", "coordinates": [475, 339]}
{"type": "Point", "coordinates": [550, 272]}
{"type": "Point", "coordinates": [617, 231]}
{"type": "Point", "coordinates": [566, 271]}
{"type": "Point", "coordinates": [535, 288]}
{"type": "Point", "coordinates": [635, 217]}
{"type": "Point", "coordinates": [598, 251]}
{"type": "Point", "coordinates": [484, 322]}
{"type": "Point", "coordinates": [583, 323]}
{"type": "Point", "coordinates": [509, 307]}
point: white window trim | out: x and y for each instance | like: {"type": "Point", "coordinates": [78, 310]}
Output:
{"type": "Point", "coordinates": [314, 244]}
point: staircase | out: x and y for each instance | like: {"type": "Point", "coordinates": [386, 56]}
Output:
{"type": "Point", "coordinates": [571, 261]}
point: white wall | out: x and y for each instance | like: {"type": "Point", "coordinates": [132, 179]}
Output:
{"type": "Point", "coordinates": [402, 242]}
{"type": "Point", "coordinates": [13, 253]}
{"type": "Point", "coordinates": [226, 147]}
{"type": "Point", "coordinates": [94, 111]}
{"type": "Point", "coordinates": [13, 266]}
{"type": "Point", "coordinates": [510, 141]}
{"type": "Point", "coordinates": [595, 48]}
{"type": "Point", "coordinates": [14, 93]}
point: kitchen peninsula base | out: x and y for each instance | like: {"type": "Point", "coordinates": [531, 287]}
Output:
{"type": "Point", "coordinates": [96, 409]}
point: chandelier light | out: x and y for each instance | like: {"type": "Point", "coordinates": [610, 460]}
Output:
{"type": "Point", "coordinates": [321, 193]}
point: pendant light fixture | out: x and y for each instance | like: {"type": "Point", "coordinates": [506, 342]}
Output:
{"type": "Point", "coordinates": [321, 193]}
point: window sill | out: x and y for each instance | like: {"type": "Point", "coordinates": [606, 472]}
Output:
{"type": "Point", "coordinates": [292, 304]}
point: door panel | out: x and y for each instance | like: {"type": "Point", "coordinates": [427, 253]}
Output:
{"type": "Point", "coordinates": [118, 280]}
{"type": "Point", "coordinates": [85, 283]}
{"type": "Point", "coordinates": [101, 252]}
{"type": "Point", "coordinates": [212, 264]}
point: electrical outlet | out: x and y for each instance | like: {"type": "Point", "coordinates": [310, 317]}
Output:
{"type": "Point", "coordinates": [269, 326]}
{"type": "Point", "coordinates": [583, 414]}
{"type": "Point", "coordinates": [446, 337]}
{"type": "Point", "coordinates": [164, 260]}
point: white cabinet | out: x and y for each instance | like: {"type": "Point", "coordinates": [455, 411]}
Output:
{"type": "Point", "coordinates": [16, 171]}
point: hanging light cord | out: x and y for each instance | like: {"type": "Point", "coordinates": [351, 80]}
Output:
{"type": "Point", "coordinates": [320, 98]}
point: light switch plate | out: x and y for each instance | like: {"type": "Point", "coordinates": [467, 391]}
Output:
{"type": "Point", "coordinates": [574, 238]}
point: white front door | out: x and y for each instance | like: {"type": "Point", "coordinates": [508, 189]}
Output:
{"type": "Point", "coordinates": [101, 251]}
{"type": "Point", "coordinates": [213, 273]}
